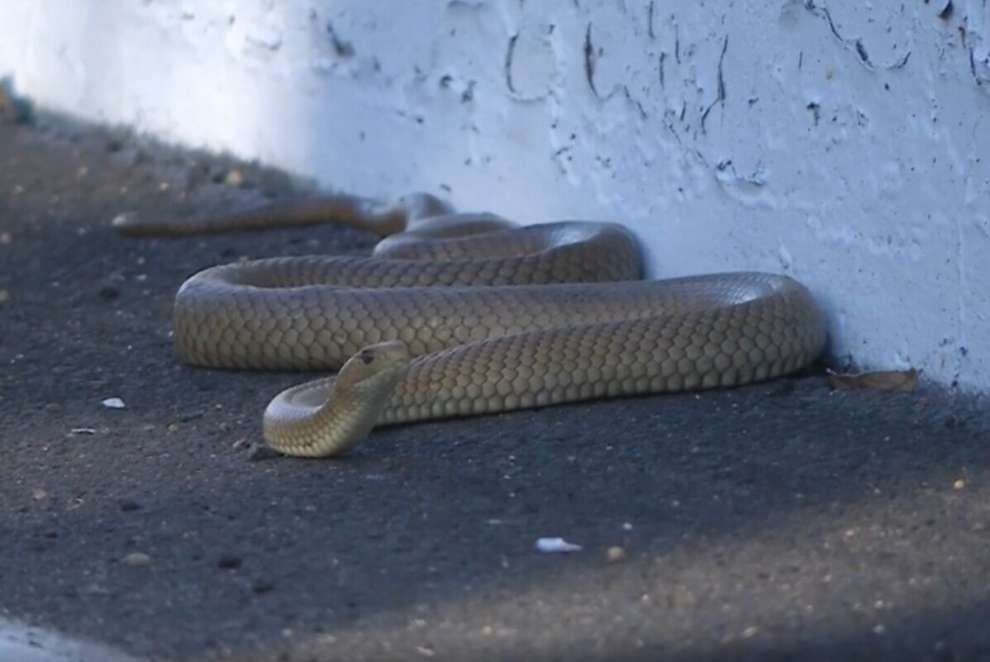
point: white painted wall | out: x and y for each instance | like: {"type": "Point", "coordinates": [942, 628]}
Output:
{"type": "Point", "coordinates": [846, 143]}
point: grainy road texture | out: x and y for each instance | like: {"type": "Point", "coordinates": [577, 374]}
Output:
{"type": "Point", "coordinates": [781, 521]}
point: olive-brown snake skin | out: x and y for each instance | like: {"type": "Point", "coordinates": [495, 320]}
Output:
{"type": "Point", "coordinates": [459, 314]}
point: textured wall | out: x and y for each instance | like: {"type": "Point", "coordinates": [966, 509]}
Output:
{"type": "Point", "coordinates": [845, 143]}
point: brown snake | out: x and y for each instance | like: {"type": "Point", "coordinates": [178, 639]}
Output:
{"type": "Point", "coordinates": [459, 314]}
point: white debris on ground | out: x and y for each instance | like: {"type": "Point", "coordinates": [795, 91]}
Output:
{"type": "Point", "coordinates": [556, 545]}
{"type": "Point", "coordinates": [113, 403]}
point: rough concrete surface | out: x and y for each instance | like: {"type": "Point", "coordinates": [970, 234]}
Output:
{"type": "Point", "coordinates": [779, 521]}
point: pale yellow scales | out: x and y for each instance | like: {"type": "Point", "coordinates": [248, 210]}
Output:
{"type": "Point", "coordinates": [459, 314]}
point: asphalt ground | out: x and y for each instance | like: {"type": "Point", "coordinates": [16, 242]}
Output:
{"type": "Point", "coordinates": [779, 521]}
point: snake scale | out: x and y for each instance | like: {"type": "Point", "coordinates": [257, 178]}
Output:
{"type": "Point", "coordinates": [457, 314]}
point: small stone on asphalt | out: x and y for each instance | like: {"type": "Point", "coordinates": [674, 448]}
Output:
{"type": "Point", "coordinates": [229, 562]}
{"type": "Point", "coordinates": [262, 586]}
{"type": "Point", "coordinates": [137, 559]}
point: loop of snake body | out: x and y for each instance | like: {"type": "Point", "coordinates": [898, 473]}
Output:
{"type": "Point", "coordinates": [460, 314]}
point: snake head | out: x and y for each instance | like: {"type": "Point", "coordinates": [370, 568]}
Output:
{"type": "Point", "coordinates": [329, 417]}
{"type": "Point", "coordinates": [374, 369]}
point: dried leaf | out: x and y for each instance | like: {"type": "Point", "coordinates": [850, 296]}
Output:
{"type": "Point", "coordinates": [882, 380]}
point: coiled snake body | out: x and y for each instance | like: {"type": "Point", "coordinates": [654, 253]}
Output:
{"type": "Point", "coordinates": [459, 314]}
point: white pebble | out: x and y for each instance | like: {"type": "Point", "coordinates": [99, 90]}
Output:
{"type": "Point", "coordinates": [556, 545]}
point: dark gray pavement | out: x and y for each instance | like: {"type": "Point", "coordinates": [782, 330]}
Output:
{"type": "Point", "coordinates": [780, 521]}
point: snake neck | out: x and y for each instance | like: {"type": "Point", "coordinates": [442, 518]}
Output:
{"type": "Point", "coordinates": [318, 419]}
{"type": "Point", "coordinates": [329, 416]}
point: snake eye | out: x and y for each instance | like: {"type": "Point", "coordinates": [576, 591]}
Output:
{"type": "Point", "coordinates": [367, 357]}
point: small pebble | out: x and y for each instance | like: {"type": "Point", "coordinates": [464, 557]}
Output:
{"type": "Point", "coordinates": [261, 586]}
{"type": "Point", "coordinates": [681, 598]}
{"type": "Point", "coordinates": [6, 239]}
{"type": "Point", "coordinates": [121, 219]}
{"type": "Point", "coordinates": [229, 562]}
{"type": "Point", "coordinates": [109, 293]}
{"type": "Point", "coordinates": [114, 403]}
{"type": "Point", "coordinates": [4, 295]}
{"type": "Point", "coordinates": [137, 559]}
{"type": "Point", "coordinates": [234, 178]}
{"type": "Point", "coordinates": [959, 484]}
{"type": "Point", "coordinates": [96, 589]}
{"type": "Point", "coordinates": [615, 553]}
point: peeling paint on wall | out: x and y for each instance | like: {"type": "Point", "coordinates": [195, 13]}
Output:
{"type": "Point", "coordinates": [846, 144]}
